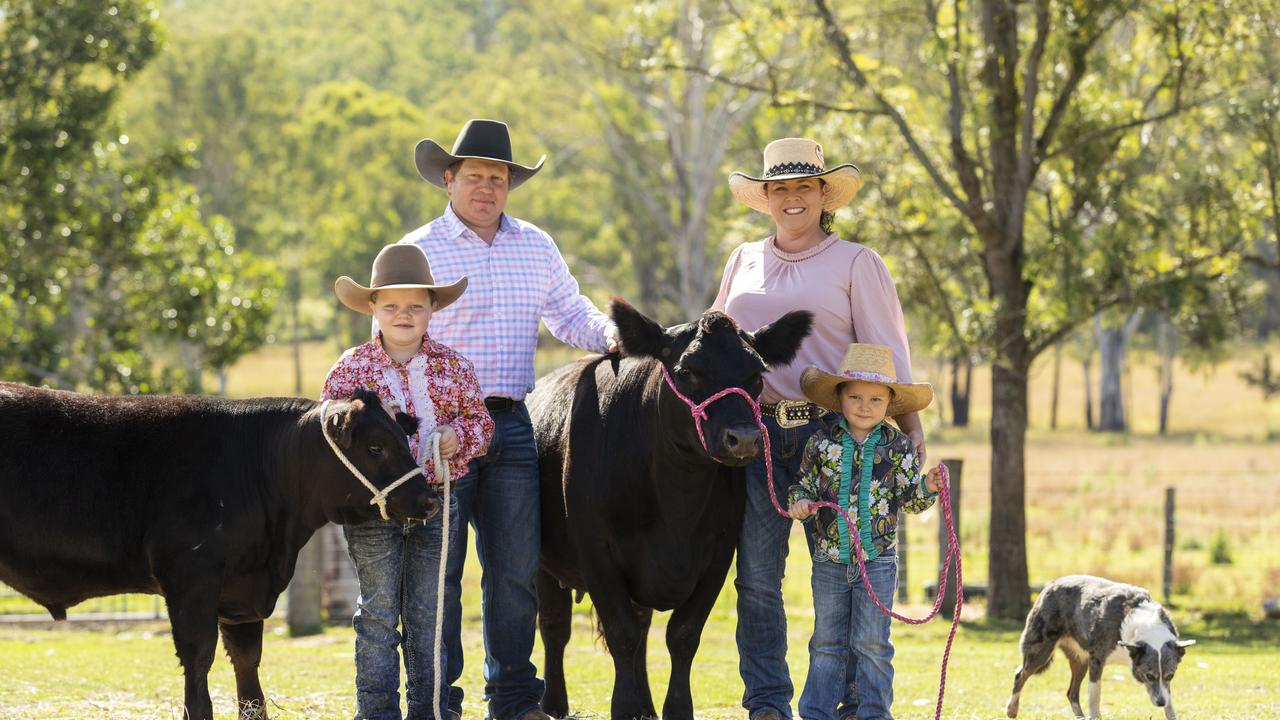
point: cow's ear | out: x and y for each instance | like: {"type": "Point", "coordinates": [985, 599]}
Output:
{"type": "Point", "coordinates": [641, 337]}
{"type": "Point", "coordinates": [342, 424]}
{"type": "Point", "coordinates": [408, 423]}
{"type": "Point", "coordinates": [367, 397]}
{"type": "Point", "coordinates": [779, 341]}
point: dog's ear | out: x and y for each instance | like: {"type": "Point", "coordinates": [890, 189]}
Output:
{"type": "Point", "coordinates": [1183, 645]}
{"type": "Point", "coordinates": [1135, 649]}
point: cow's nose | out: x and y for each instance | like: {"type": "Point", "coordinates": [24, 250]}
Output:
{"type": "Point", "coordinates": [741, 442]}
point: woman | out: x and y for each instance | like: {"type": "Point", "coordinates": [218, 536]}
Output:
{"type": "Point", "coordinates": [802, 266]}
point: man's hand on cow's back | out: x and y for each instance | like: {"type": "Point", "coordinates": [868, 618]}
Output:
{"type": "Point", "coordinates": [612, 339]}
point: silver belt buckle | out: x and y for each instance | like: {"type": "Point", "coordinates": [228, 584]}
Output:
{"type": "Point", "coordinates": [783, 410]}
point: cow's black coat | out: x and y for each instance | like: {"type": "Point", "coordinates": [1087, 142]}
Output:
{"type": "Point", "coordinates": [203, 500]}
{"type": "Point", "coordinates": [634, 510]}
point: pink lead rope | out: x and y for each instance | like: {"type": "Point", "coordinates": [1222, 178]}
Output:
{"type": "Point", "coordinates": [699, 412]}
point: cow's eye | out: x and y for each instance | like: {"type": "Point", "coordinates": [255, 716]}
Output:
{"type": "Point", "coordinates": [375, 449]}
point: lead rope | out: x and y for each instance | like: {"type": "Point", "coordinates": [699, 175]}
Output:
{"type": "Point", "coordinates": [699, 412]}
{"type": "Point", "coordinates": [442, 475]}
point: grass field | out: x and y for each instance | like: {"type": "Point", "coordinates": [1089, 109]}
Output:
{"type": "Point", "coordinates": [132, 673]}
{"type": "Point", "coordinates": [1095, 504]}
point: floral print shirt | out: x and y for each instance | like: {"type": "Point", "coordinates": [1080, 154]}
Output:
{"type": "Point", "coordinates": [897, 483]}
{"type": "Point", "coordinates": [437, 385]}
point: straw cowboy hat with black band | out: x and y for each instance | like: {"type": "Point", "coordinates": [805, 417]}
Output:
{"type": "Point", "coordinates": [479, 140]}
{"type": "Point", "coordinates": [792, 159]}
{"type": "Point", "coordinates": [397, 267]}
{"type": "Point", "coordinates": [869, 363]}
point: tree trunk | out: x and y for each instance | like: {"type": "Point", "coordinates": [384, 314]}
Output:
{"type": "Point", "coordinates": [1113, 345]}
{"type": "Point", "coordinates": [1057, 382]}
{"type": "Point", "coordinates": [1166, 339]}
{"type": "Point", "coordinates": [1087, 364]}
{"type": "Point", "coordinates": [193, 362]}
{"type": "Point", "coordinates": [295, 324]}
{"type": "Point", "coordinates": [302, 611]}
{"type": "Point", "coordinates": [960, 391]}
{"type": "Point", "coordinates": [1008, 589]}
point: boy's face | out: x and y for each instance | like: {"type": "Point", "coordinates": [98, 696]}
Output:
{"type": "Point", "coordinates": [402, 313]}
{"type": "Point", "coordinates": [863, 404]}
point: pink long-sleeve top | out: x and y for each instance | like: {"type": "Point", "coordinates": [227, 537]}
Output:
{"type": "Point", "coordinates": [845, 285]}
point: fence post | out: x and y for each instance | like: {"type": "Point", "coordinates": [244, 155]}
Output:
{"type": "Point", "coordinates": [303, 610]}
{"type": "Point", "coordinates": [902, 557]}
{"type": "Point", "coordinates": [1169, 506]}
{"type": "Point", "coordinates": [955, 467]}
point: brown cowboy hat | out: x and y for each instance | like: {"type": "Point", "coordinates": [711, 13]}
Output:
{"type": "Point", "coordinates": [871, 363]}
{"type": "Point", "coordinates": [480, 140]}
{"type": "Point", "coordinates": [397, 266]}
{"type": "Point", "coordinates": [791, 159]}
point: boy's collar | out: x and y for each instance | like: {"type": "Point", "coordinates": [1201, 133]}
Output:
{"type": "Point", "coordinates": [380, 352]}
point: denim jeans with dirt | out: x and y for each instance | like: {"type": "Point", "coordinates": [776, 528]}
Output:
{"type": "Point", "coordinates": [850, 645]}
{"type": "Point", "coordinates": [397, 566]}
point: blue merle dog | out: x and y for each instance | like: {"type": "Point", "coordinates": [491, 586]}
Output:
{"type": "Point", "coordinates": [1096, 621]}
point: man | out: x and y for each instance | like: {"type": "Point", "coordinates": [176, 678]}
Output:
{"type": "Point", "coordinates": [517, 277]}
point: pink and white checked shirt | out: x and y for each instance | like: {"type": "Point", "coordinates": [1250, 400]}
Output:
{"type": "Point", "coordinates": [512, 284]}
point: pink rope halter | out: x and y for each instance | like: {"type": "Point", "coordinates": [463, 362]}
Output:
{"type": "Point", "coordinates": [699, 412]}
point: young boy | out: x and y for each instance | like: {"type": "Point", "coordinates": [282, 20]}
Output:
{"type": "Point", "coordinates": [397, 565]}
{"type": "Point", "coordinates": [867, 467]}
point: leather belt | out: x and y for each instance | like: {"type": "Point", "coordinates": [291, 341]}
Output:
{"type": "Point", "coordinates": [792, 413]}
{"type": "Point", "coordinates": [497, 404]}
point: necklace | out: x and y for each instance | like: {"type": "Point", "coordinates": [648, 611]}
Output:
{"type": "Point", "coordinates": [801, 256]}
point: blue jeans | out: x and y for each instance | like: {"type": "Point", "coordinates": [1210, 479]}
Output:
{"type": "Point", "coordinates": [762, 562]}
{"type": "Point", "coordinates": [397, 566]}
{"type": "Point", "coordinates": [849, 630]}
{"type": "Point", "coordinates": [499, 498]}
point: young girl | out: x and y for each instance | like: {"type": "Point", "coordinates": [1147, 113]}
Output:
{"type": "Point", "coordinates": [869, 468]}
{"type": "Point", "coordinates": [397, 565]}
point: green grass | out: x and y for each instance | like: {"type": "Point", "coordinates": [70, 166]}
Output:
{"type": "Point", "coordinates": [1094, 504]}
{"type": "Point", "coordinates": [133, 673]}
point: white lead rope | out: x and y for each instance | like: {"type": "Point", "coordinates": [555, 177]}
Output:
{"type": "Point", "coordinates": [380, 499]}
{"type": "Point", "coordinates": [442, 476]}
{"type": "Point", "coordinates": [379, 496]}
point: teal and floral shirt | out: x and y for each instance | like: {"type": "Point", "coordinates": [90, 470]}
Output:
{"type": "Point", "coordinates": [834, 469]}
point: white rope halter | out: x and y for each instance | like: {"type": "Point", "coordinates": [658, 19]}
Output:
{"type": "Point", "coordinates": [379, 496]}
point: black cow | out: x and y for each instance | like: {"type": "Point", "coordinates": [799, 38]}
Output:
{"type": "Point", "coordinates": [634, 510]}
{"type": "Point", "coordinates": [202, 500]}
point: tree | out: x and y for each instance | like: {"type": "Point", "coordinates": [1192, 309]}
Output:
{"type": "Point", "coordinates": [76, 197]}
{"type": "Point", "coordinates": [667, 131]}
{"type": "Point", "coordinates": [1006, 103]}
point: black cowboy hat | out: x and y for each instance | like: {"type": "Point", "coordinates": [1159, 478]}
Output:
{"type": "Point", "coordinates": [479, 139]}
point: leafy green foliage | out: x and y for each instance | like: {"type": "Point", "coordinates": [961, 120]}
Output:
{"type": "Point", "coordinates": [76, 199]}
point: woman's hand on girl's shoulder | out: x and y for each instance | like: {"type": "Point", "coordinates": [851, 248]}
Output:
{"type": "Point", "coordinates": [917, 444]}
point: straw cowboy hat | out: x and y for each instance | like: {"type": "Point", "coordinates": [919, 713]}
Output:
{"type": "Point", "coordinates": [397, 266]}
{"type": "Point", "coordinates": [871, 363]}
{"type": "Point", "coordinates": [480, 140]}
{"type": "Point", "coordinates": [791, 159]}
